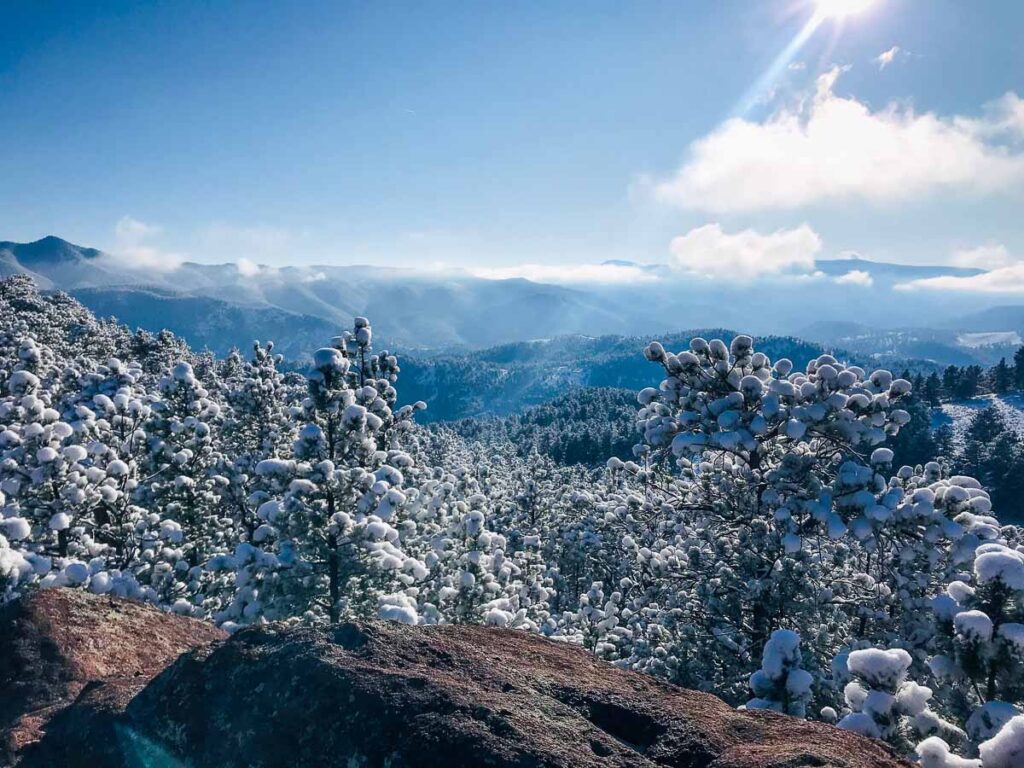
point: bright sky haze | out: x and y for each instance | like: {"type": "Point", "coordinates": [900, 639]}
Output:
{"type": "Point", "coordinates": [495, 135]}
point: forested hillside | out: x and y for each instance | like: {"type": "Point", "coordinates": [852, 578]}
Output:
{"type": "Point", "coordinates": [969, 416]}
{"type": "Point", "coordinates": [585, 426]}
{"type": "Point", "coordinates": [505, 379]}
{"type": "Point", "coordinates": [762, 540]}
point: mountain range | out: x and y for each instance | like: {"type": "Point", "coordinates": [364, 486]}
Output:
{"type": "Point", "coordinates": [220, 306]}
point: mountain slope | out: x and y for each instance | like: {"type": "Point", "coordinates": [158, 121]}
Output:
{"type": "Point", "coordinates": [219, 306]}
{"type": "Point", "coordinates": [510, 377]}
{"type": "Point", "coordinates": [993, 319]}
{"type": "Point", "coordinates": [56, 263]}
{"type": "Point", "coordinates": [300, 307]}
{"type": "Point", "coordinates": [210, 323]}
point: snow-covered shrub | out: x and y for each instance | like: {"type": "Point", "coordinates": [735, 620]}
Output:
{"type": "Point", "coordinates": [933, 752]}
{"type": "Point", "coordinates": [1006, 748]}
{"type": "Point", "coordinates": [980, 640]}
{"type": "Point", "coordinates": [872, 694]}
{"type": "Point", "coordinates": [781, 683]}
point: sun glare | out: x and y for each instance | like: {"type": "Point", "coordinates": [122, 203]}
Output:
{"type": "Point", "coordinates": [837, 9]}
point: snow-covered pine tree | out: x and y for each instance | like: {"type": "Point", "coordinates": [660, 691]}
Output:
{"type": "Point", "coordinates": [344, 489]}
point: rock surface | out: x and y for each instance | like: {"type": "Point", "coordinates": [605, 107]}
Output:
{"type": "Point", "coordinates": [60, 644]}
{"type": "Point", "coordinates": [387, 694]}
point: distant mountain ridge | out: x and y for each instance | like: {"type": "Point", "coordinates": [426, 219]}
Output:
{"type": "Point", "coordinates": [50, 249]}
{"type": "Point", "coordinates": [51, 262]}
{"type": "Point", "coordinates": [204, 320]}
{"type": "Point", "coordinates": [883, 269]}
{"type": "Point", "coordinates": [409, 308]}
{"type": "Point", "coordinates": [222, 305]}
{"type": "Point", "coordinates": [1002, 318]}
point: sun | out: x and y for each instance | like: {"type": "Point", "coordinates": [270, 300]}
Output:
{"type": "Point", "coordinates": [838, 9]}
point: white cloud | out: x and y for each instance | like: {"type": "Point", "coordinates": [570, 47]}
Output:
{"type": "Point", "coordinates": [991, 256]}
{"type": "Point", "coordinates": [886, 58]}
{"type": "Point", "coordinates": [806, 277]}
{"type": "Point", "coordinates": [856, 277]}
{"type": "Point", "coordinates": [230, 242]}
{"type": "Point", "coordinates": [249, 247]}
{"type": "Point", "coordinates": [1004, 273]}
{"type": "Point", "coordinates": [1007, 280]}
{"type": "Point", "coordinates": [1002, 118]}
{"type": "Point", "coordinates": [130, 230]}
{"type": "Point", "coordinates": [247, 268]}
{"type": "Point", "coordinates": [132, 250]}
{"type": "Point", "coordinates": [568, 273]}
{"type": "Point", "coordinates": [712, 252]}
{"type": "Point", "coordinates": [834, 148]}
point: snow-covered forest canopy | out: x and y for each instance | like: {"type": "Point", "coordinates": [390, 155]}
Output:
{"type": "Point", "coordinates": [771, 534]}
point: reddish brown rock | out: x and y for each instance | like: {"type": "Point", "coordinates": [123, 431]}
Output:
{"type": "Point", "coordinates": [388, 694]}
{"type": "Point", "coordinates": [385, 694]}
{"type": "Point", "coordinates": [57, 641]}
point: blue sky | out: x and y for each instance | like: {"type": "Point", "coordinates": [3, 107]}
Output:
{"type": "Point", "coordinates": [494, 135]}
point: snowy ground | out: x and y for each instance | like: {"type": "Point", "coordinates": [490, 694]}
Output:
{"type": "Point", "coordinates": [959, 414]}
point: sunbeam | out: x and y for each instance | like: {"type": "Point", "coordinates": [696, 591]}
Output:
{"type": "Point", "coordinates": [825, 10]}
{"type": "Point", "coordinates": [783, 60]}
{"type": "Point", "coordinates": [838, 9]}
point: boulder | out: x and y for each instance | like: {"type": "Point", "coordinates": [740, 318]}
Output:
{"type": "Point", "coordinates": [58, 642]}
{"type": "Point", "coordinates": [385, 694]}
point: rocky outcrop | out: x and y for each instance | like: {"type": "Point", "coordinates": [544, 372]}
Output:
{"type": "Point", "coordinates": [59, 646]}
{"type": "Point", "coordinates": [384, 694]}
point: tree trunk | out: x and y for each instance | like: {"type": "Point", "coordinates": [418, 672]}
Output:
{"type": "Point", "coordinates": [333, 577]}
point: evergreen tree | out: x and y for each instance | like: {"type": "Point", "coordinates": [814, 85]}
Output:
{"type": "Point", "coordinates": [1001, 377]}
{"type": "Point", "coordinates": [951, 377]}
{"type": "Point", "coordinates": [967, 383]}
{"type": "Point", "coordinates": [916, 442]}
{"type": "Point", "coordinates": [933, 390]}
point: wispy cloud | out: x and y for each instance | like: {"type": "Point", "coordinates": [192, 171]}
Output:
{"type": "Point", "coordinates": [133, 249]}
{"type": "Point", "coordinates": [247, 247]}
{"type": "Point", "coordinates": [1001, 119]}
{"type": "Point", "coordinates": [856, 277]}
{"type": "Point", "coordinates": [832, 148]}
{"type": "Point", "coordinates": [712, 252]}
{"type": "Point", "coordinates": [1007, 280]}
{"type": "Point", "coordinates": [1005, 274]}
{"type": "Point", "coordinates": [993, 256]}
{"type": "Point", "coordinates": [129, 230]}
{"type": "Point", "coordinates": [569, 273]}
{"type": "Point", "coordinates": [248, 268]}
{"type": "Point", "coordinates": [232, 242]}
{"type": "Point", "coordinates": [885, 58]}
